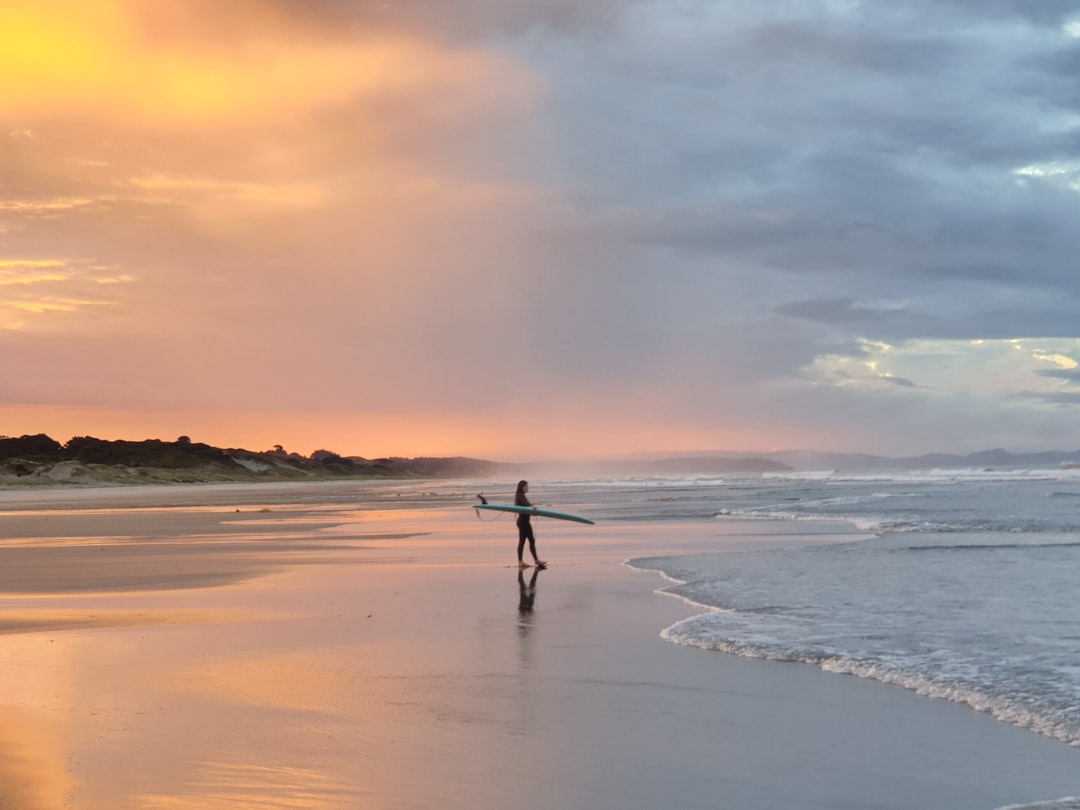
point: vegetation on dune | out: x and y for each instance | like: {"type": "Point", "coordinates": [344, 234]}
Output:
{"type": "Point", "coordinates": [85, 459]}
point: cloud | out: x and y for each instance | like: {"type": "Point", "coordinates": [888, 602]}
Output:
{"type": "Point", "coordinates": [45, 206]}
{"type": "Point", "coordinates": [724, 223]}
{"type": "Point", "coordinates": [197, 63]}
{"type": "Point", "coordinates": [837, 310]}
{"type": "Point", "coordinates": [33, 290]}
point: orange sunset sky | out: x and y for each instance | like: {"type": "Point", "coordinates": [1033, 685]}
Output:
{"type": "Point", "coordinates": [528, 230]}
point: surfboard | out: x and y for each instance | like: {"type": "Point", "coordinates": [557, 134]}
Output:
{"type": "Point", "coordinates": [532, 510]}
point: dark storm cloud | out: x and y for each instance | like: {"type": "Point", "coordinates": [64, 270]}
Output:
{"type": "Point", "coordinates": [834, 311]}
{"type": "Point", "coordinates": [899, 382]}
{"type": "Point", "coordinates": [1070, 375]}
{"type": "Point", "coordinates": [894, 324]}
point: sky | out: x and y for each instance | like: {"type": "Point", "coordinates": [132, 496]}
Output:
{"type": "Point", "coordinates": [539, 229]}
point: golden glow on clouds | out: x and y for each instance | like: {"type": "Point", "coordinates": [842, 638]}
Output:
{"type": "Point", "coordinates": [1060, 360]}
{"type": "Point", "coordinates": [122, 56]}
{"type": "Point", "coordinates": [870, 367]}
{"type": "Point", "coordinates": [37, 287]}
{"type": "Point", "coordinates": [42, 206]}
{"type": "Point", "coordinates": [52, 305]}
{"type": "Point", "coordinates": [31, 271]}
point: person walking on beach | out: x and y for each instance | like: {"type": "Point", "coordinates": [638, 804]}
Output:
{"type": "Point", "coordinates": [524, 524]}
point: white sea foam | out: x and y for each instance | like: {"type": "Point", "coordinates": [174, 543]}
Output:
{"type": "Point", "coordinates": [1015, 708]}
{"type": "Point", "coordinates": [967, 594]}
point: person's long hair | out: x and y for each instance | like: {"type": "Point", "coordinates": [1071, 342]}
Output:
{"type": "Point", "coordinates": [519, 496]}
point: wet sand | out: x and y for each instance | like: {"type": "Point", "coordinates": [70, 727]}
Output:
{"type": "Point", "coordinates": [336, 646]}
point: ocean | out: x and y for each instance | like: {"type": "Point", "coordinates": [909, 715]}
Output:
{"type": "Point", "coordinates": [965, 587]}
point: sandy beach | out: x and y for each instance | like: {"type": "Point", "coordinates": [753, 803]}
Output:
{"type": "Point", "coordinates": [343, 646]}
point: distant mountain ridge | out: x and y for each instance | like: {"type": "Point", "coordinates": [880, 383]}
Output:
{"type": "Point", "coordinates": [809, 460]}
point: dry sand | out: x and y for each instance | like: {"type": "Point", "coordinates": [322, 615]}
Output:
{"type": "Point", "coordinates": [336, 646]}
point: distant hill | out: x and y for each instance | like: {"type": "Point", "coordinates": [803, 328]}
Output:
{"type": "Point", "coordinates": [855, 462]}
{"type": "Point", "coordinates": [39, 459]}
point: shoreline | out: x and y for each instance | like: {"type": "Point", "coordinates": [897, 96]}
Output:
{"type": "Point", "coordinates": [836, 664]}
{"type": "Point", "coordinates": [380, 653]}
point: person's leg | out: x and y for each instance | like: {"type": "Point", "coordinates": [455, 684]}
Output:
{"type": "Point", "coordinates": [532, 547]}
{"type": "Point", "coordinates": [523, 533]}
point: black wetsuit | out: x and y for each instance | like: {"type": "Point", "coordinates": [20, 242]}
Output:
{"type": "Point", "coordinates": [525, 531]}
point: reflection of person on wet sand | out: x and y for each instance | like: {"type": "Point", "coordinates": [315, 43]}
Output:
{"type": "Point", "coordinates": [527, 592]}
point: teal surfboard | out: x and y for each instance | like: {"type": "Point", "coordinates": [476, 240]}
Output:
{"type": "Point", "coordinates": [533, 510]}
